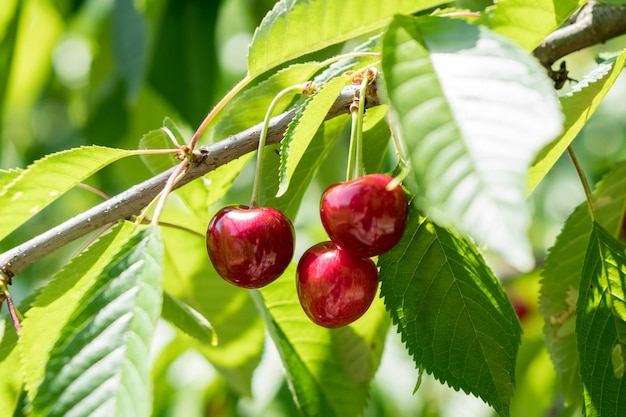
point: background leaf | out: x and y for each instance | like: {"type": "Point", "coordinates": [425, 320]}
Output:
{"type": "Point", "coordinates": [561, 277]}
{"type": "Point", "coordinates": [453, 315]}
{"type": "Point", "coordinates": [296, 27]}
{"type": "Point", "coordinates": [58, 301]}
{"type": "Point", "coordinates": [473, 109]}
{"type": "Point", "coordinates": [187, 319]}
{"type": "Point", "coordinates": [601, 325]}
{"type": "Point", "coordinates": [578, 107]}
{"type": "Point", "coordinates": [47, 179]}
{"type": "Point", "coordinates": [529, 22]}
{"type": "Point", "coordinates": [101, 363]}
{"type": "Point", "coordinates": [328, 370]}
{"type": "Point", "coordinates": [12, 377]}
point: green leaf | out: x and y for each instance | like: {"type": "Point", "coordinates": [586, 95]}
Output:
{"type": "Point", "coordinates": [473, 109]}
{"type": "Point", "coordinates": [320, 147]}
{"type": "Point", "coordinates": [190, 277]}
{"type": "Point", "coordinates": [251, 106]}
{"type": "Point", "coordinates": [601, 325]}
{"type": "Point", "coordinates": [47, 179]}
{"type": "Point", "coordinates": [12, 377]}
{"type": "Point", "coordinates": [157, 139]}
{"type": "Point", "coordinates": [297, 27]}
{"type": "Point", "coordinates": [561, 277]}
{"type": "Point", "coordinates": [376, 136]}
{"type": "Point", "coordinates": [101, 363]}
{"type": "Point", "coordinates": [183, 316]}
{"type": "Point", "coordinates": [328, 370]}
{"type": "Point", "coordinates": [7, 176]}
{"type": "Point", "coordinates": [578, 107]}
{"type": "Point", "coordinates": [529, 22]}
{"type": "Point", "coordinates": [452, 312]}
{"type": "Point", "coordinates": [57, 301]}
{"type": "Point", "coordinates": [303, 127]}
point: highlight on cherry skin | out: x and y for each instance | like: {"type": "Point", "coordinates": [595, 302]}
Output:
{"type": "Point", "coordinates": [335, 287]}
{"type": "Point", "coordinates": [250, 247]}
{"type": "Point", "coordinates": [362, 215]}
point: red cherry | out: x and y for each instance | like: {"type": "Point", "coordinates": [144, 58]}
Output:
{"type": "Point", "coordinates": [334, 286]}
{"type": "Point", "coordinates": [250, 247]}
{"type": "Point", "coordinates": [363, 216]}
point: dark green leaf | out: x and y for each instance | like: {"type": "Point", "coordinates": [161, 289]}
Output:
{"type": "Point", "coordinates": [601, 325]}
{"type": "Point", "coordinates": [451, 311]}
{"type": "Point", "coordinates": [561, 277]}
{"type": "Point", "coordinates": [101, 363]}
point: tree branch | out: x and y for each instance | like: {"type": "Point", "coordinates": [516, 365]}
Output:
{"type": "Point", "coordinates": [593, 24]}
{"type": "Point", "coordinates": [133, 200]}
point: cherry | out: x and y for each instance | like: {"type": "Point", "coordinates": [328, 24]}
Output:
{"type": "Point", "coordinates": [363, 216]}
{"type": "Point", "coordinates": [250, 247]}
{"type": "Point", "coordinates": [334, 286]}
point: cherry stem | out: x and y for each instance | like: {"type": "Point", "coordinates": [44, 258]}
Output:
{"type": "Point", "coordinates": [584, 182]}
{"type": "Point", "coordinates": [16, 317]}
{"type": "Point", "coordinates": [355, 155]}
{"type": "Point", "coordinates": [176, 175]}
{"type": "Point", "coordinates": [93, 190]}
{"type": "Point", "coordinates": [256, 187]}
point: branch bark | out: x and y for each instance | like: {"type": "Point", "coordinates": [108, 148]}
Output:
{"type": "Point", "coordinates": [593, 24]}
{"type": "Point", "coordinates": [133, 200]}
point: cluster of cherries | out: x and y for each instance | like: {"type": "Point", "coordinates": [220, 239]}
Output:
{"type": "Point", "coordinates": [336, 280]}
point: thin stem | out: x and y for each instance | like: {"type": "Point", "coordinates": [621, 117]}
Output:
{"type": "Point", "coordinates": [583, 180]}
{"type": "Point", "coordinates": [177, 174]}
{"type": "Point", "coordinates": [348, 55]}
{"type": "Point", "coordinates": [352, 147]}
{"type": "Point", "coordinates": [154, 151]}
{"type": "Point", "coordinates": [16, 317]}
{"type": "Point", "coordinates": [218, 107]}
{"type": "Point", "coordinates": [93, 190]}
{"type": "Point", "coordinates": [359, 142]}
{"type": "Point", "coordinates": [169, 133]}
{"type": "Point", "coordinates": [256, 187]}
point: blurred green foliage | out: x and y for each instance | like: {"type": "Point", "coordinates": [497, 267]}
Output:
{"type": "Point", "coordinates": [78, 72]}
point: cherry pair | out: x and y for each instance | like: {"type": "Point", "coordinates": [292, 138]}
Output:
{"type": "Point", "coordinates": [336, 280]}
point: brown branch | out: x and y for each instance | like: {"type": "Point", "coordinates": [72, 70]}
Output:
{"type": "Point", "coordinates": [133, 200]}
{"type": "Point", "coordinates": [593, 24]}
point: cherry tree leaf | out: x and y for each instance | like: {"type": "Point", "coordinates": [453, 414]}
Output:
{"type": "Point", "coordinates": [578, 107]}
{"type": "Point", "coordinates": [12, 378]}
{"type": "Point", "coordinates": [328, 370]}
{"type": "Point", "coordinates": [297, 27]}
{"type": "Point", "coordinates": [529, 22]}
{"type": "Point", "coordinates": [601, 325]}
{"type": "Point", "coordinates": [561, 277]}
{"type": "Point", "coordinates": [101, 363]}
{"type": "Point", "coordinates": [56, 302]}
{"type": "Point", "coordinates": [474, 109]}
{"type": "Point", "coordinates": [451, 311]}
{"type": "Point", "coordinates": [187, 319]}
{"type": "Point", "coordinates": [303, 127]}
{"type": "Point", "coordinates": [47, 179]}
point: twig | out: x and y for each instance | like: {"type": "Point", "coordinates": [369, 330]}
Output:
{"type": "Point", "coordinates": [130, 202]}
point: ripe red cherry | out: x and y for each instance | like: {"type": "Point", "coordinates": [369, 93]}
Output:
{"type": "Point", "coordinates": [334, 286]}
{"type": "Point", "coordinates": [363, 216]}
{"type": "Point", "coordinates": [250, 247]}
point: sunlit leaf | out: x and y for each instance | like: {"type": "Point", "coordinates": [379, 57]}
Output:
{"type": "Point", "coordinates": [57, 301]}
{"type": "Point", "coordinates": [12, 377]}
{"type": "Point", "coordinates": [529, 22]}
{"type": "Point", "coordinates": [601, 325]}
{"type": "Point", "coordinates": [187, 319]}
{"type": "Point", "coordinates": [101, 363]}
{"type": "Point", "coordinates": [328, 370]}
{"type": "Point", "coordinates": [47, 179]}
{"type": "Point", "coordinates": [453, 314]}
{"type": "Point", "coordinates": [561, 277]}
{"type": "Point", "coordinates": [157, 139]}
{"type": "Point", "coordinates": [297, 27]}
{"type": "Point", "coordinates": [303, 127]}
{"type": "Point", "coordinates": [578, 107]}
{"type": "Point", "coordinates": [473, 109]}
